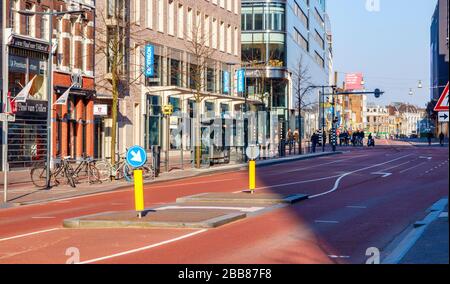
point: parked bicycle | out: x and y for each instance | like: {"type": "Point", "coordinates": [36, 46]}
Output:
{"type": "Point", "coordinates": [87, 168]}
{"type": "Point", "coordinates": [107, 171]}
{"type": "Point", "coordinates": [121, 170]}
{"type": "Point", "coordinates": [62, 170]}
{"type": "Point", "coordinates": [148, 173]}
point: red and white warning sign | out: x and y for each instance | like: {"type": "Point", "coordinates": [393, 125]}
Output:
{"type": "Point", "coordinates": [442, 104]}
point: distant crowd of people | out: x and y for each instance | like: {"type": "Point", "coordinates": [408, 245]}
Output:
{"type": "Point", "coordinates": [355, 138]}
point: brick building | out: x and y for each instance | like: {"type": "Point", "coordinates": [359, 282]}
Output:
{"type": "Point", "coordinates": [73, 65]}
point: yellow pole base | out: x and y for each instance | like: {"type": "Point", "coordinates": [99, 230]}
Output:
{"type": "Point", "coordinates": [138, 191]}
{"type": "Point", "coordinates": [252, 175]}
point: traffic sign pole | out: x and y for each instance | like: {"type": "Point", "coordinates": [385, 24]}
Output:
{"type": "Point", "coordinates": [252, 153]}
{"type": "Point", "coordinates": [139, 192]}
{"type": "Point", "coordinates": [252, 175]}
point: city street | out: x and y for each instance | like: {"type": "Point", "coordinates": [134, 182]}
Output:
{"type": "Point", "coordinates": [363, 198]}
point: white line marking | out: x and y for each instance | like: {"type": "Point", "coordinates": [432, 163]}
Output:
{"type": "Point", "coordinates": [28, 234]}
{"type": "Point", "coordinates": [336, 184]}
{"type": "Point", "coordinates": [43, 217]}
{"type": "Point", "coordinates": [143, 248]}
{"type": "Point", "coordinates": [338, 256]}
{"type": "Point", "coordinates": [408, 169]}
{"type": "Point", "coordinates": [357, 207]}
{"type": "Point", "coordinates": [243, 209]}
{"type": "Point", "coordinates": [327, 222]}
{"type": "Point", "coordinates": [384, 175]}
{"type": "Point", "coordinates": [315, 166]}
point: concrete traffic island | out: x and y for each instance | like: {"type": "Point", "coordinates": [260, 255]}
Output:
{"type": "Point", "coordinates": [244, 198]}
{"type": "Point", "coordinates": [179, 218]}
{"type": "Point", "coordinates": [207, 210]}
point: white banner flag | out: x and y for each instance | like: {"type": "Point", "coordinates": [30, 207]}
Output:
{"type": "Point", "coordinates": [63, 99]}
{"type": "Point", "coordinates": [22, 96]}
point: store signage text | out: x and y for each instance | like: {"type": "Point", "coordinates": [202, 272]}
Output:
{"type": "Point", "coordinates": [31, 45]}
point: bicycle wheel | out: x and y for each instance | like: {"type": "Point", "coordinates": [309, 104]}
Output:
{"type": "Point", "coordinates": [147, 173]}
{"type": "Point", "coordinates": [104, 170]}
{"type": "Point", "coordinates": [39, 176]}
{"type": "Point", "coordinates": [69, 174]}
{"type": "Point", "coordinates": [94, 174]}
{"type": "Point", "coordinates": [128, 173]}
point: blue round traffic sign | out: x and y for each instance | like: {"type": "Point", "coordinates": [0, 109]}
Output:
{"type": "Point", "coordinates": [136, 157]}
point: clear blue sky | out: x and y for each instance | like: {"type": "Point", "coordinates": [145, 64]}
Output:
{"type": "Point", "coordinates": [390, 46]}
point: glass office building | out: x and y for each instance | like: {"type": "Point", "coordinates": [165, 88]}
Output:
{"type": "Point", "coordinates": [276, 35]}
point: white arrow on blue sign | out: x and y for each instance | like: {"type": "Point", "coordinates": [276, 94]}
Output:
{"type": "Point", "coordinates": [136, 157]}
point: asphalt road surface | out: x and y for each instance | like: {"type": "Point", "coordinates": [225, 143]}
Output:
{"type": "Point", "coordinates": [361, 199]}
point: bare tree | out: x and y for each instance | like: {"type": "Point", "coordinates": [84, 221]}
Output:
{"type": "Point", "coordinates": [302, 89]}
{"type": "Point", "coordinates": [114, 33]}
{"type": "Point", "coordinates": [201, 57]}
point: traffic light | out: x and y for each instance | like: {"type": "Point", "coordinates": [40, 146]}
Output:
{"type": "Point", "coordinates": [377, 93]}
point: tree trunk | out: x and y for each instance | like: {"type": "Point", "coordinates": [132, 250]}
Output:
{"type": "Point", "coordinates": [198, 138]}
{"type": "Point", "coordinates": [115, 94]}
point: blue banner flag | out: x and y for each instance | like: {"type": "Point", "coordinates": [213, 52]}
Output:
{"type": "Point", "coordinates": [149, 60]}
{"type": "Point", "coordinates": [240, 74]}
{"type": "Point", "coordinates": [226, 82]}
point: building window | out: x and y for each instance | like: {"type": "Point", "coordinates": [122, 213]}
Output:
{"type": "Point", "coordinates": [210, 80]}
{"type": "Point", "coordinates": [175, 72]}
{"type": "Point", "coordinates": [319, 40]}
{"type": "Point", "coordinates": [28, 19]}
{"type": "Point", "coordinates": [13, 15]}
{"type": "Point", "coordinates": [171, 18]}
{"type": "Point", "coordinates": [44, 24]}
{"type": "Point", "coordinates": [319, 60]}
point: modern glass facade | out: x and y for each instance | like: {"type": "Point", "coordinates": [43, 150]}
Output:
{"type": "Point", "coordinates": [264, 33]}
{"type": "Point", "coordinates": [276, 35]}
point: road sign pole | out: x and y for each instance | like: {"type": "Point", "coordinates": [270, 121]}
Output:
{"type": "Point", "coordinates": [167, 142]}
{"type": "Point", "coordinates": [4, 102]}
{"type": "Point", "coordinates": [139, 192]}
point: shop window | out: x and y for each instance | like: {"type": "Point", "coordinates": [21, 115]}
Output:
{"type": "Point", "coordinates": [209, 108]}
{"type": "Point", "coordinates": [175, 72]}
{"type": "Point", "coordinates": [210, 80]}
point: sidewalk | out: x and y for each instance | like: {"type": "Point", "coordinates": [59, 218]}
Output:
{"type": "Point", "coordinates": [22, 192]}
{"type": "Point", "coordinates": [425, 242]}
{"type": "Point", "coordinates": [432, 247]}
{"type": "Point", "coordinates": [423, 142]}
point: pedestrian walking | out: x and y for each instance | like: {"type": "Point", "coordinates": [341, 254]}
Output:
{"type": "Point", "coordinates": [429, 137]}
{"type": "Point", "coordinates": [290, 136]}
{"type": "Point", "coordinates": [296, 138]}
{"type": "Point", "coordinates": [314, 141]}
{"type": "Point", "coordinates": [441, 139]}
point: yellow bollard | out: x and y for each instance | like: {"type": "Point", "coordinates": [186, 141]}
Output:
{"type": "Point", "coordinates": [252, 175]}
{"type": "Point", "coordinates": [139, 192]}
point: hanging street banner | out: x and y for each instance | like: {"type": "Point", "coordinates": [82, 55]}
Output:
{"type": "Point", "coordinates": [226, 82]}
{"type": "Point", "coordinates": [25, 92]}
{"type": "Point", "coordinates": [64, 97]}
{"type": "Point", "coordinates": [240, 75]}
{"type": "Point", "coordinates": [149, 61]}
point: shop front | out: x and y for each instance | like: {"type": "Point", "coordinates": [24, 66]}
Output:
{"type": "Point", "coordinates": [73, 123]}
{"type": "Point", "coordinates": [27, 134]}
